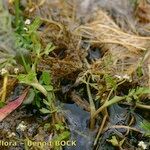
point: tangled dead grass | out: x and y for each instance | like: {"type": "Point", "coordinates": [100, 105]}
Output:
{"type": "Point", "coordinates": [123, 52]}
{"type": "Point", "coordinates": [127, 51]}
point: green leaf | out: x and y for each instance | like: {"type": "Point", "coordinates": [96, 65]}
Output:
{"type": "Point", "coordinates": [59, 126]}
{"type": "Point", "coordinates": [139, 71]}
{"type": "Point", "coordinates": [129, 99]}
{"type": "Point", "coordinates": [27, 78]}
{"type": "Point", "coordinates": [37, 48]}
{"type": "Point", "coordinates": [48, 87]}
{"type": "Point", "coordinates": [114, 141]}
{"type": "Point", "coordinates": [110, 81]}
{"type": "Point", "coordinates": [131, 92]}
{"type": "Point", "coordinates": [46, 78]}
{"type": "Point", "coordinates": [45, 111]}
{"type": "Point", "coordinates": [35, 25]}
{"type": "Point", "coordinates": [47, 126]}
{"type": "Point", "coordinates": [62, 136]}
{"type": "Point", "coordinates": [49, 48]}
{"type": "Point", "coordinates": [46, 102]}
{"type": "Point", "coordinates": [50, 96]}
{"type": "Point", "coordinates": [1, 104]}
{"type": "Point", "coordinates": [146, 126]}
{"type": "Point", "coordinates": [38, 102]}
{"type": "Point", "coordinates": [142, 90]}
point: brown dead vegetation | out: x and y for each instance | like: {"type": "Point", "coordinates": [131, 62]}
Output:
{"type": "Point", "coordinates": [61, 26]}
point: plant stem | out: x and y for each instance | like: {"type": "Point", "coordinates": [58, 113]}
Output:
{"type": "Point", "coordinates": [142, 106]}
{"type": "Point", "coordinates": [26, 67]}
{"type": "Point", "coordinates": [4, 88]}
{"type": "Point", "coordinates": [17, 12]}
{"type": "Point", "coordinates": [39, 87]}
{"type": "Point", "coordinates": [101, 127]}
{"type": "Point", "coordinates": [92, 105]}
{"type": "Point", "coordinates": [114, 100]}
{"type": "Point", "coordinates": [125, 127]}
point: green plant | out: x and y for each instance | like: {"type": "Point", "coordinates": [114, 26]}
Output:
{"type": "Point", "coordinates": [27, 42]}
{"type": "Point", "coordinates": [44, 84]}
{"type": "Point", "coordinates": [146, 126]}
{"type": "Point", "coordinates": [134, 95]}
{"type": "Point", "coordinates": [28, 39]}
{"type": "Point", "coordinates": [112, 84]}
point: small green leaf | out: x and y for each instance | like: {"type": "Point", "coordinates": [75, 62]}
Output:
{"type": "Point", "coordinates": [46, 78]}
{"type": "Point", "coordinates": [59, 126]}
{"type": "Point", "coordinates": [62, 136]}
{"type": "Point", "coordinates": [1, 104]}
{"type": "Point", "coordinates": [37, 48]}
{"type": "Point", "coordinates": [129, 99]}
{"type": "Point", "coordinates": [50, 96]}
{"type": "Point", "coordinates": [37, 102]}
{"type": "Point", "coordinates": [47, 126]}
{"type": "Point", "coordinates": [114, 141]}
{"type": "Point", "coordinates": [48, 87]}
{"type": "Point", "coordinates": [131, 92]}
{"type": "Point", "coordinates": [27, 78]}
{"type": "Point", "coordinates": [35, 25]}
{"type": "Point", "coordinates": [142, 90]}
{"type": "Point", "coordinates": [146, 126]}
{"type": "Point", "coordinates": [110, 81]}
{"type": "Point", "coordinates": [46, 102]}
{"type": "Point", "coordinates": [45, 111]}
{"type": "Point", "coordinates": [49, 48]}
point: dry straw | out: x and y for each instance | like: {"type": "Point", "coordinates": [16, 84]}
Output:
{"type": "Point", "coordinates": [125, 49]}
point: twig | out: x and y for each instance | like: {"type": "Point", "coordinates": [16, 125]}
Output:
{"type": "Point", "coordinates": [101, 127]}
{"type": "Point", "coordinates": [92, 105]}
{"type": "Point", "coordinates": [125, 127]}
{"type": "Point", "coordinates": [4, 88]}
{"type": "Point", "coordinates": [39, 87]}
{"type": "Point", "coordinates": [114, 100]}
{"type": "Point", "coordinates": [143, 106]}
{"type": "Point", "coordinates": [138, 105]}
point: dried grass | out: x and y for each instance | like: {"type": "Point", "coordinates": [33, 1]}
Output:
{"type": "Point", "coordinates": [59, 24]}
{"type": "Point", "coordinates": [126, 50]}
{"type": "Point", "coordinates": [123, 51]}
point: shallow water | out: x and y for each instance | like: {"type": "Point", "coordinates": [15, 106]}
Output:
{"type": "Point", "coordinates": [77, 120]}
